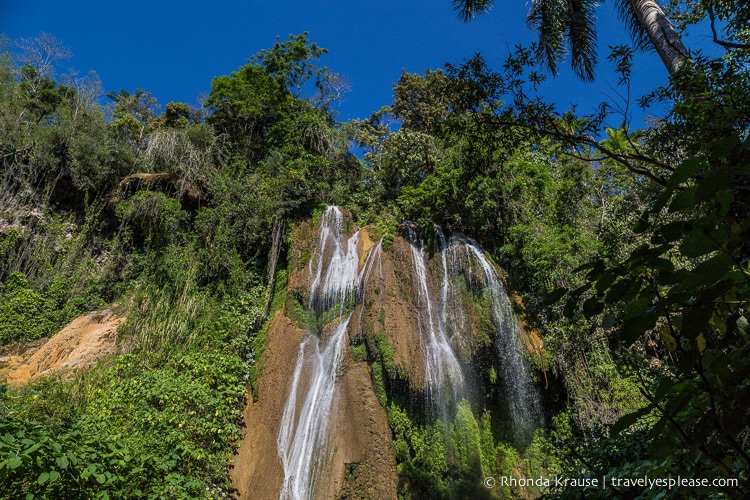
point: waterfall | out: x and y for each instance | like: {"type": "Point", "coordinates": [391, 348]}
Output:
{"type": "Point", "coordinates": [335, 283]}
{"type": "Point", "coordinates": [340, 264]}
{"type": "Point", "coordinates": [303, 433]}
{"type": "Point", "coordinates": [440, 363]}
{"type": "Point", "coordinates": [521, 393]}
{"type": "Point", "coordinates": [337, 286]}
{"type": "Point", "coordinates": [443, 327]}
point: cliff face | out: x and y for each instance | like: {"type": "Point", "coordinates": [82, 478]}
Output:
{"type": "Point", "coordinates": [257, 470]}
{"type": "Point", "coordinates": [392, 320]}
{"type": "Point", "coordinates": [356, 458]}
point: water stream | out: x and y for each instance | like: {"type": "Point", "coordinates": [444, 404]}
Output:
{"type": "Point", "coordinates": [440, 363]}
{"type": "Point", "coordinates": [521, 394]}
{"type": "Point", "coordinates": [337, 285]}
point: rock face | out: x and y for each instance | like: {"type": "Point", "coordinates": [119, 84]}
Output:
{"type": "Point", "coordinates": [386, 301]}
{"type": "Point", "coordinates": [257, 470]}
{"type": "Point", "coordinates": [83, 342]}
{"type": "Point", "coordinates": [356, 457]}
{"type": "Point", "coordinates": [393, 310]}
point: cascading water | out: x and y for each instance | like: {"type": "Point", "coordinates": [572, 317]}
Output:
{"type": "Point", "coordinates": [440, 363]}
{"type": "Point", "coordinates": [443, 328]}
{"type": "Point", "coordinates": [522, 396]}
{"type": "Point", "coordinates": [341, 264]}
{"type": "Point", "coordinates": [452, 312]}
{"type": "Point", "coordinates": [303, 430]}
{"type": "Point", "coordinates": [302, 433]}
{"type": "Point", "coordinates": [331, 419]}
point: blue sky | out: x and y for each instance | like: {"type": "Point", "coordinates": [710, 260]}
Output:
{"type": "Point", "coordinates": [174, 48]}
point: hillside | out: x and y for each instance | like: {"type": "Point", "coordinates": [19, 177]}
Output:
{"type": "Point", "coordinates": [464, 292]}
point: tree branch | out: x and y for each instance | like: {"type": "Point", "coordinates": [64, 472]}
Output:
{"type": "Point", "coordinates": [723, 43]}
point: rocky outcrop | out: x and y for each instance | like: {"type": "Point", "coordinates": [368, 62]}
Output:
{"type": "Point", "coordinates": [256, 471]}
{"type": "Point", "coordinates": [358, 459]}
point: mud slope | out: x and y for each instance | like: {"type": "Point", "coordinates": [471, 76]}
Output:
{"type": "Point", "coordinates": [83, 342]}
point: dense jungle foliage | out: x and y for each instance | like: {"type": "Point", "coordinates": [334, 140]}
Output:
{"type": "Point", "coordinates": [629, 249]}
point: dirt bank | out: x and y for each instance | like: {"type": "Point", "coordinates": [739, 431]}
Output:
{"type": "Point", "coordinates": [83, 342]}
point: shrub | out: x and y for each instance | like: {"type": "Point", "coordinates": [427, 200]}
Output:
{"type": "Point", "coordinates": [24, 314]}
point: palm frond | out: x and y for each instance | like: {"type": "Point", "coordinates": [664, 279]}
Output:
{"type": "Point", "coordinates": [582, 36]}
{"type": "Point", "coordinates": [548, 17]}
{"type": "Point", "coordinates": [469, 9]}
{"type": "Point", "coordinates": [565, 26]}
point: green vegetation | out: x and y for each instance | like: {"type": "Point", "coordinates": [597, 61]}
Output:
{"type": "Point", "coordinates": [171, 217]}
{"type": "Point", "coordinates": [131, 430]}
{"type": "Point", "coordinates": [24, 313]}
{"type": "Point", "coordinates": [628, 247]}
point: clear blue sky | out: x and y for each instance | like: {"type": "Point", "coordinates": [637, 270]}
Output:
{"type": "Point", "coordinates": [174, 48]}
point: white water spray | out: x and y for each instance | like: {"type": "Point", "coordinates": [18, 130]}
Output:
{"type": "Point", "coordinates": [441, 365]}
{"type": "Point", "coordinates": [522, 396]}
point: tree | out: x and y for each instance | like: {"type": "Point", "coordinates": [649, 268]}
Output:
{"type": "Point", "coordinates": [572, 21]}
{"type": "Point", "coordinates": [82, 94]}
{"type": "Point", "coordinates": [39, 56]}
{"type": "Point", "coordinates": [249, 105]}
{"type": "Point", "coordinates": [733, 19]}
{"type": "Point", "coordinates": [133, 114]}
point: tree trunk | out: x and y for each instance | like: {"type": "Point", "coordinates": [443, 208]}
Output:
{"type": "Point", "coordinates": [273, 258]}
{"type": "Point", "coordinates": [663, 36]}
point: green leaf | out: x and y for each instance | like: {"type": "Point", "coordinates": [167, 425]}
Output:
{"type": "Point", "coordinates": [662, 201]}
{"type": "Point", "coordinates": [674, 231]}
{"type": "Point", "coordinates": [628, 420]}
{"type": "Point", "coordinates": [620, 289]}
{"type": "Point", "coordinates": [62, 461]}
{"type": "Point", "coordinates": [661, 448]}
{"type": "Point", "coordinates": [666, 386]}
{"type": "Point", "coordinates": [571, 305]}
{"type": "Point", "coordinates": [605, 280]}
{"type": "Point", "coordinates": [642, 224]}
{"type": "Point", "coordinates": [31, 449]}
{"type": "Point", "coordinates": [555, 295]}
{"type": "Point", "coordinates": [663, 264]}
{"type": "Point", "coordinates": [695, 319]}
{"type": "Point", "coordinates": [633, 328]}
{"type": "Point", "coordinates": [696, 244]}
{"type": "Point", "coordinates": [719, 180]}
{"type": "Point", "coordinates": [709, 271]}
{"type": "Point", "coordinates": [685, 171]}
{"type": "Point", "coordinates": [683, 200]}
{"type": "Point", "coordinates": [43, 478]}
{"type": "Point", "coordinates": [54, 476]}
{"type": "Point", "coordinates": [592, 306]}
{"type": "Point", "coordinates": [636, 307]}
{"type": "Point", "coordinates": [14, 462]}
